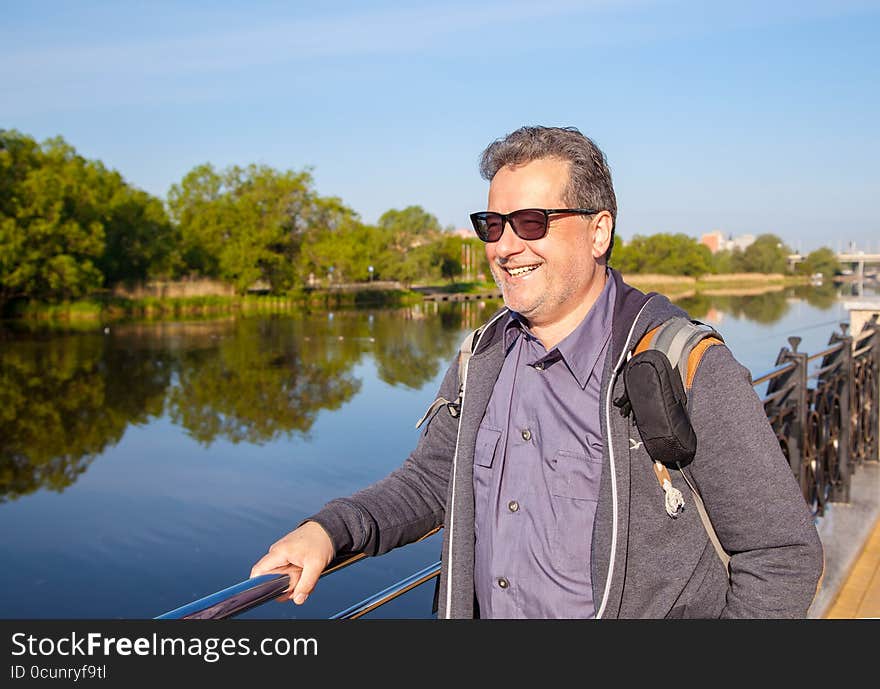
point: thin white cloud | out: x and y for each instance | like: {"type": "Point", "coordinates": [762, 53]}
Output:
{"type": "Point", "coordinates": [383, 32]}
{"type": "Point", "coordinates": [165, 70]}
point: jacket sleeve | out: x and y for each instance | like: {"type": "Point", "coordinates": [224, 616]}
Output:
{"type": "Point", "coordinates": [751, 495]}
{"type": "Point", "coordinates": [406, 504]}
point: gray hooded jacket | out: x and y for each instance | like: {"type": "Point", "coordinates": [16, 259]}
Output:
{"type": "Point", "coordinates": [645, 564]}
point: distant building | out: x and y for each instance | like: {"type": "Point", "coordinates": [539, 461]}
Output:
{"type": "Point", "coordinates": [741, 242]}
{"type": "Point", "coordinates": [714, 240]}
{"type": "Point", "coordinates": [717, 242]}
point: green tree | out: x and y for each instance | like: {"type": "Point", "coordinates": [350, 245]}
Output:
{"type": "Point", "coordinates": [767, 254]}
{"type": "Point", "coordinates": [667, 254]}
{"type": "Point", "coordinates": [419, 263]}
{"type": "Point", "coordinates": [51, 230]}
{"type": "Point", "coordinates": [822, 260]}
{"type": "Point", "coordinates": [408, 228]}
{"type": "Point", "coordinates": [448, 252]}
{"type": "Point", "coordinates": [345, 245]}
{"type": "Point", "coordinates": [405, 235]}
{"type": "Point", "coordinates": [242, 225]}
{"type": "Point", "coordinates": [197, 206]}
{"type": "Point", "coordinates": [141, 243]}
{"type": "Point", "coordinates": [724, 261]}
{"type": "Point", "coordinates": [69, 225]}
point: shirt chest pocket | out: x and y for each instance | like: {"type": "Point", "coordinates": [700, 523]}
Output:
{"type": "Point", "coordinates": [486, 447]}
{"type": "Point", "coordinates": [575, 475]}
{"type": "Point", "coordinates": [484, 455]}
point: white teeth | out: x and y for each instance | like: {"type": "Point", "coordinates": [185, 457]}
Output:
{"type": "Point", "coordinates": [520, 271]}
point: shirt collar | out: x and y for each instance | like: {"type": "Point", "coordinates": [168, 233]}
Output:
{"type": "Point", "coordinates": [514, 326]}
{"type": "Point", "coordinates": [582, 347]}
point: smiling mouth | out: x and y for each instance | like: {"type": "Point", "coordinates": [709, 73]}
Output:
{"type": "Point", "coordinates": [521, 270]}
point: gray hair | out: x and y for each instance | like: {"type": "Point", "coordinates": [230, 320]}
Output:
{"type": "Point", "coordinates": [589, 184]}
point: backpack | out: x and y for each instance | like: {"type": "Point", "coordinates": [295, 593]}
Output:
{"type": "Point", "coordinates": [657, 377]}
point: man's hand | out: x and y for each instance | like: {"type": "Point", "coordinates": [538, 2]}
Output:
{"type": "Point", "coordinates": [302, 554]}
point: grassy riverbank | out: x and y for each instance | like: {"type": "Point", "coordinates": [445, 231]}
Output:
{"type": "Point", "coordinates": [106, 307]}
{"type": "Point", "coordinates": [670, 285]}
{"type": "Point", "coordinates": [732, 284]}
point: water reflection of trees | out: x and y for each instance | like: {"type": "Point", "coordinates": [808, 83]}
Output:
{"type": "Point", "coordinates": [272, 377]}
{"type": "Point", "coordinates": [62, 403]}
{"type": "Point", "coordinates": [66, 398]}
{"type": "Point", "coordinates": [266, 379]}
{"type": "Point", "coordinates": [821, 296]}
{"type": "Point", "coordinates": [765, 308]}
{"type": "Point", "coordinates": [414, 355]}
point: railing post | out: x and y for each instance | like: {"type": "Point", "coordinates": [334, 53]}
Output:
{"type": "Point", "coordinates": [799, 401]}
{"type": "Point", "coordinates": [840, 488]}
{"type": "Point", "coordinates": [874, 450]}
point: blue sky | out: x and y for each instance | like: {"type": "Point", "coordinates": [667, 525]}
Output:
{"type": "Point", "coordinates": [744, 117]}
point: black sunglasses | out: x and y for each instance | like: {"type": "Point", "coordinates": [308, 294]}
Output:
{"type": "Point", "coordinates": [527, 223]}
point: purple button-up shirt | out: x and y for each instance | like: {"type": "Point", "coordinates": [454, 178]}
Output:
{"type": "Point", "coordinates": [537, 467]}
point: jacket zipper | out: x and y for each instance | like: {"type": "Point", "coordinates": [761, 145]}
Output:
{"type": "Point", "coordinates": [608, 393]}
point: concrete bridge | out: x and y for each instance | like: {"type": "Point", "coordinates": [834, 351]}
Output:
{"type": "Point", "coordinates": [857, 259]}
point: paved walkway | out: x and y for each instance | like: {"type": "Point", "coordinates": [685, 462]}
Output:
{"type": "Point", "coordinates": [859, 597]}
{"type": "Point", "coordinates": [850, 534]}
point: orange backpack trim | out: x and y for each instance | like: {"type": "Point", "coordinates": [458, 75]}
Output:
{"type": "Point", "coordinates": [696, 355]}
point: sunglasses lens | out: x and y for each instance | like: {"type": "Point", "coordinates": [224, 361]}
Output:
{"type": "Point", "coordinates": [488, 226]}
{"type": "Point", "coordinates": [529, 224]}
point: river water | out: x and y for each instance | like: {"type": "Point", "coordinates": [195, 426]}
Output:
{"type": "Point", "coordinates": [145, 465]}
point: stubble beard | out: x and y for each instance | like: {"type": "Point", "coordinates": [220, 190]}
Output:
{"type": "Point", "coordinates": [510, 297]}
{"type": "Point", "coordinates": [549, 296]}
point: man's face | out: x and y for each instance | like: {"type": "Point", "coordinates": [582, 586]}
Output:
{"type": "Point", "coordinates": [565, 278]}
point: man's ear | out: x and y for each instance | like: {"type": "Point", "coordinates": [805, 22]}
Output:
{"type": "Point", "coordinates": [602, 225]}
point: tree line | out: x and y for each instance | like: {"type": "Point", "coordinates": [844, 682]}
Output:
{"type": "Point", "coordinates": [70, 227]}
{"type": "Point", "coordinates": [679, 254]}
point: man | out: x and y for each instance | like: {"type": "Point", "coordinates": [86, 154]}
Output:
{"type": "Point", "coordinates": [550, 505]}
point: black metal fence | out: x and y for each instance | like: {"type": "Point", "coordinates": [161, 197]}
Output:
{"type": "Point", "coordinates": [823, 408]}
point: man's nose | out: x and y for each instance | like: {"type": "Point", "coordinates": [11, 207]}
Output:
{"type": "Point", "coordinates": [510, 243]}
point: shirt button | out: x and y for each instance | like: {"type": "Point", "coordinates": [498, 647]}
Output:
{"type": "Point", "coordinates": [539, 366]}
{"type": "Point", "coordinates": [513, 505]}
{"type": "Point", "coordinates": [526, 434]}
{"type": "Point", "coordinates": [503, 583]}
